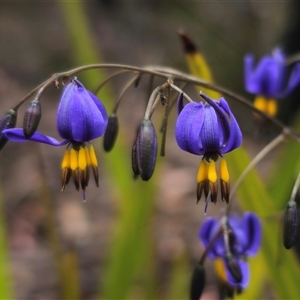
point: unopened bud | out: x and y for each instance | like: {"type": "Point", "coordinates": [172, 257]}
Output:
{"type": "Point", "coordinates": [290, 224]}
{"type": "Point", "coordinates": [111, 132]}
{"type": "Point", "coordinates": [197, 282]}
{"type": "Point", "coordinates": [134, 162]}
{"type": "Point", "coordinates": [234, 268]}
{"type": "Point", "coordinates": [9, 120]}
{"type": "Point", "coordinates": [32, 118]}
{"type": "Point", "coordinates": [146, 149]}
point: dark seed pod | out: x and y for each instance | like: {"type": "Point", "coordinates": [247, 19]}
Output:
{"type": "Point", "coordinates": [197, 283]}
{"type": "Point", "coordinates": [32, 118]}
{"type": "Point", "coordinates": [111, 132]}
{"type": "Point", "coordinates": [9, 120]}
{"type": "Point", "coordinates": [234, 268]}
{"type": "Point", "coordinates": [290, 224]}
{"type": "Point", "coordinates": [146, 149]}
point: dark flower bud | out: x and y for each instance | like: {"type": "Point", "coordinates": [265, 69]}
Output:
{"type": "Point", "coordinates": [197, 283]}
{"type": "Point", "coordinates": [9, 120]}
{"type": "Point", "coordinates": [146, 150]}
{"type": "Point", "coordinates": [111, 132]}
{"type": "Point", "coordinates": [234, 268]}
{"type": "Point", "coordinates": [134, 162]}
{"type": "Point", "coordinates": [290, 224]}
{"type": "Point", "coordinates": [32, 118]}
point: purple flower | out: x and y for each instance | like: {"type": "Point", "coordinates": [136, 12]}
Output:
{"type": "Point", "coordinates": [210, 130]}
{"type": "Point", "coordinates": [207, 128]}
{"type": "Point", "coordinates": [269, 78]}
{"type": "Point", "coordinates": [244, 239]}
{"type": "Point", "coordinates": [81, 117]}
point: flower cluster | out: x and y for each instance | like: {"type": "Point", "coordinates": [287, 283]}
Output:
{"type": "Point", "coordinates": [230, 239]}
{"type": "Point", "coordinates": [211, 130]}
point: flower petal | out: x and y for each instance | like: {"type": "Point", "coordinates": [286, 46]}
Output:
{"type": "Point", "coordinates": [17, 135]}
{"type": "Point", "coordinates": [245, 274]}
{"type": "Point", "coordinates": [211, 135]}
{"type": "Point", "coordinates": [235, 138]}
{"type": "Point", "coordinates": [180, 103]}
{"type": "Point", "coordinates": [188, 127]}
{"type": "Point", "coordinates": [209, 229]}
{"type": "Point", "coordinates": [80, 117]}
{"type": "Point", "coordinates": [252, 230]}
{"type": "Point", "coordinates": [293, 82]}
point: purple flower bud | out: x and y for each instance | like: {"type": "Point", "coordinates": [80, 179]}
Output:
{"type": "Point", "coordinates": [290, 224]}
{"type": "Point", "coordinates": [9, 120]}
{"type": "Point", "coordinates": [32, 118]}
{"type": "Point", "coordinates": [111, 132]}
{"type": "Point", "coordinates": [146, 150]}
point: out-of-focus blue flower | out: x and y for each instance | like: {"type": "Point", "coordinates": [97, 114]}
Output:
{"type": "Point", "coordinates": [268, 80]}
{"type": "Point", "coordinates": [210, 130]}
{"type": "Point", "coordinates": [81, 117]}
{"type": "Point", "coordinates": [241, 238]}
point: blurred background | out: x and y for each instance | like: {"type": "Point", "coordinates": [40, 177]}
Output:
{"type": "Point", "coordinates": [130, 239]}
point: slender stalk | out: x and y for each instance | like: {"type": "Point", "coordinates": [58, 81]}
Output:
{"type": "Point", "coordinates": [100, 86]}
{"type": "Point", "coordinates": [127, 86]}
{"type": "Point", "coordinates": [164, 128]}
{"type": "Point", "coordinates": [267, 149]}
{"type": "Point", "coordinates": [152, 101]}
{"type": "Point", "coordinates": [295, 188]}
{"type": "Point", "coordinates": [176, 88]}
{"type": "Point", "coordinates": [166, 73]}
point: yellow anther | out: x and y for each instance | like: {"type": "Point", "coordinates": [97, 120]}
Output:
{"type": "Point", "coordinates": [261, 103]}
{"type": "Point", "coordinates": [66, 160]}
{"type": "Point", "coordinates": [202, 171]}
{"type": "Point", "coordinates": [272, 107]}
{"type": "Point", "coordinates": [87, 156]}
{"type": "Point", "coordinates": [212, 174]}
{"type": "Point", "coordinates": [73, 159]}
{"type": "Point", "coordinates": [82, 159]}
{"type": "Point", "coordinates": [93, 157]}
{"type": "Point", "coordinates": [224, 174]}
{"type": "Point", "coordinates": [220, 269]}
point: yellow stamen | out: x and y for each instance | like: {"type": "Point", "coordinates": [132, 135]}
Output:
{"type": "Point", "coordinates": [87, 156]}
{"type": "Point", "coordinates": [93, 157]}
{"type": "Point", "coordinates": [272, 107]}
{"type": "Point", "coordinates": [267, 105]}
{"type": "Point", "coordinates": [224, 174]}
{"type": "Point", "coordinates": [212, 174]}
{"type": "Point", "coordinates": [220, 269]}
{"type": "Point", "coordinates": [202, 171]}
{"type": "Point", "coordinates": [82, 159]}
{"type": "Point", "coordinates": [66, 160]}
{"type": "Point", "coordinates": [260, 102]}
{"type": "Point", "coordinates": [73, 159]}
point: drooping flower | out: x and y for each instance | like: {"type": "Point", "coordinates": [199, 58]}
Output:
{"type": "Point", "coordinates": [240, 238]}
{"type": "Point", "coordinates": [81, 117]}
{"type": "Point", "coordinates": [210, 130]}
{"type": "Point", "coordinates": [268, 80]}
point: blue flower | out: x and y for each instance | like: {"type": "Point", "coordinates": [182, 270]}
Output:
{"type": "Point", "coordinates": [243, 239]}
{"type": "Point", "coordinates": [210, 130]}
{"type": "Point", "coordinates": [81, 117]}
{"type": "Point", "coordinates": [268, 81]}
